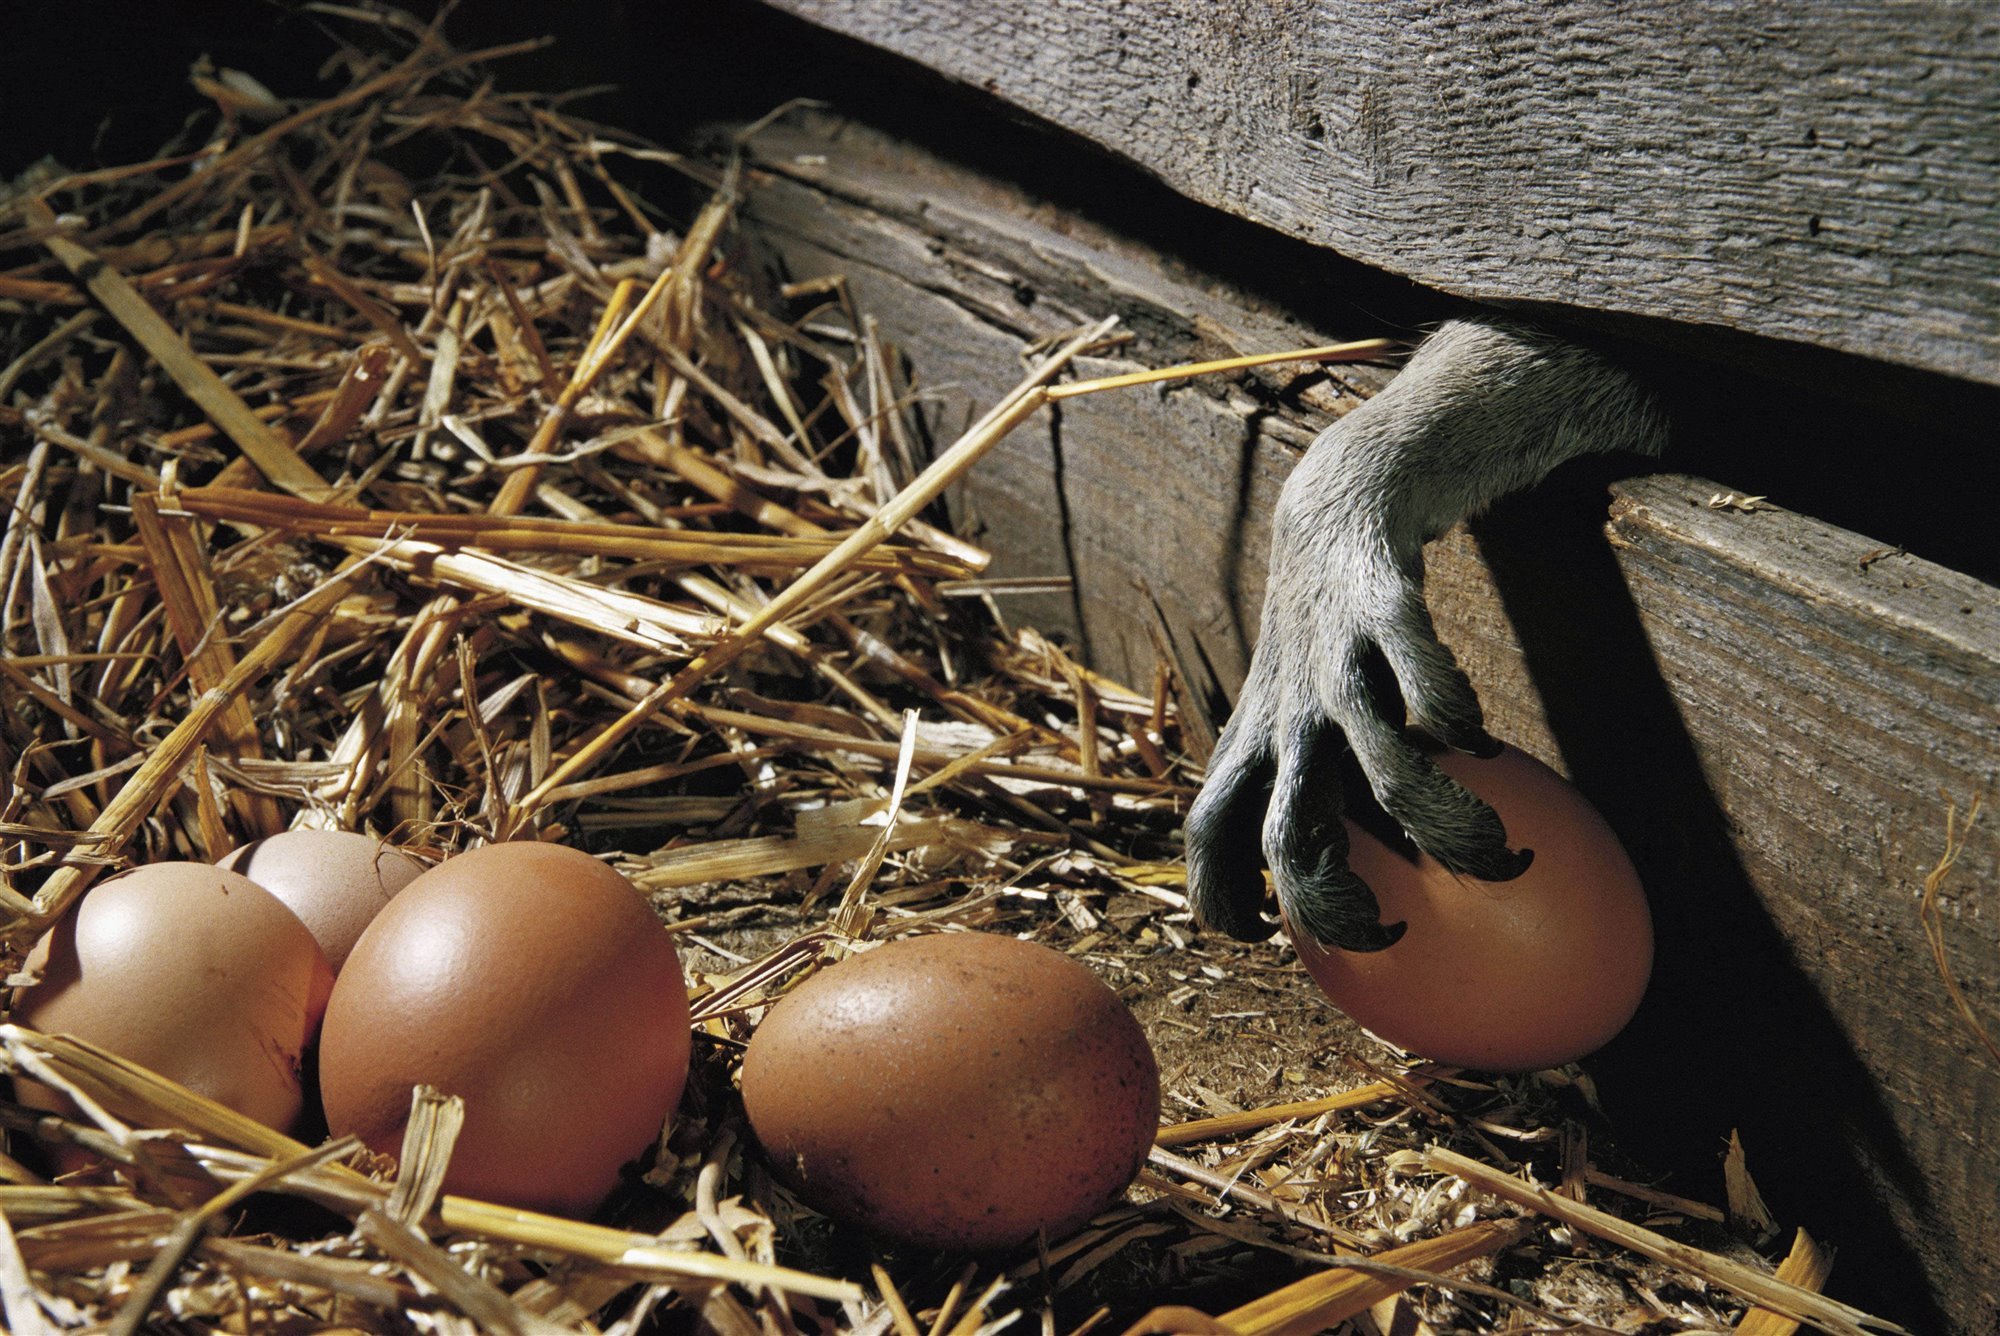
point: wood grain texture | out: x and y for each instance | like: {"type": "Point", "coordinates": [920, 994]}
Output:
{"type": "Point", "coordinates": [1824, 171]}
{"type": "Point", "coordinates": [1770, 710]}
{"type": "Point", "coordinates": [1776, 730]}
{"type": "Point", "coordinates": [960, 281]}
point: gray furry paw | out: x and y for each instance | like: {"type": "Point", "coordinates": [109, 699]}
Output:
{"type": "Point", "coordinates": [1484, 408]}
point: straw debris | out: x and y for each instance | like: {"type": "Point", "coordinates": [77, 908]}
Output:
{"type": "Point", "coordinates": [391, 460]}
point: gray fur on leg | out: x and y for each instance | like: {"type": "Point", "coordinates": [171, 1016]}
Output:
{"type": "Point", "coordinates": [1484, 408]}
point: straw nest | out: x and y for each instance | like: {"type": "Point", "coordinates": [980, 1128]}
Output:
{"type": "Point", "coordinates": [385, 461]}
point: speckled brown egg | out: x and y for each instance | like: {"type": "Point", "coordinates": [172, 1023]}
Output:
{"type": "Point", "coordinates": [193, 971]}
{"type": "Point", "coordinates": [535, 983]}
{"type": "Point", "coordinates": [336, 881]}
{"type": "Point", "coordinates": [958, 1091]}
{"type": "Point", "coordinates": [1508, 975]}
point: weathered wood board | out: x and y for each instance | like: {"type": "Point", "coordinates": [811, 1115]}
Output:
{"type": "Point", "coordinates": [1772, 711]}
{"type": "Point", "coordinates": [1821, 172]}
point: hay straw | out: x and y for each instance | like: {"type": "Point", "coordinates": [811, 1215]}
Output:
{"type": "Point", "coordinates": [187, 593]}
{"type": "Point", "coordinates": [633, 1254]}
{"type": "Point", "coordinates": [198, 1220]}
{"type": "Point", "coordinates": [1023, 772]}
{"type": "Point", "coordinates": [1252, 1120]}
{"type": "Point", "coordinates": [1807, 1265]}
{"type": "Point", "coordinates": [1321, 1301]}
{"type": "Point", "coordinates": [1014, 409]}
{"type": "Point", "coordinates": [272, 456]}
{"type": "Point", "coordinates": [1783, 1298]}
{"type": "Point", "coordinates": [434, 1124]}
{"type": "Point", "coordinates": [1359, 350]}
{"type": "Point", "coordinates": [761, 554]}
{"type": "Point", "coordinates": [391, 465]}
{"type": "Point", "coordinates": [486, 1306]}
{"type": "Point", "coordinates": [1228, 1186]}
{"type": "Point", "coordinates": [277, 1159]}
{"type": "Point", "coordinates": [1697, 1210]}
{"type": "Point", "coordinates": [162, 767]}
{"type": "Point", "coordinates": [1747, 1211]}
{"type": "Point", "coordinates": [20, 1301]}
{"type": "Point", "coordinates": [1956, 832]}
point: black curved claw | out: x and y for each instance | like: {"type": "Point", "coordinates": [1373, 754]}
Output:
{"type": "Point", "coordinates": [1338, 909]}
{"type": "Point", "coordinates": [1479, 743]}
{"type": "Point", "coordinates": [1225, 868]}
{"type": "Point", "coordinates": [1500, 864]}
{"type": "Point", "coordinates": [1305, 839]}
{"type": "Point", "coordinates": [1225, 904]}
{"type": "Point", "coordinates": [1448, 821]}
{"type": "Point", "coordinates": [1318, 892]}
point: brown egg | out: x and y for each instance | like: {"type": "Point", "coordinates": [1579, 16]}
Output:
{"type": "Point", "coordinates": [1502, 976]}
{"type": "Point", "coordinates": [335, 880]}
{"type": "Point", "coordinates": [193, 971]}
{"type": "Point", "coordinates": [959, 1091]}
{"type": "Point", "coordinates": [535, 983]}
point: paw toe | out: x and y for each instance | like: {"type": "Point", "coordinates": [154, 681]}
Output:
{"type": "Point", "coordinates": [1338, 909]}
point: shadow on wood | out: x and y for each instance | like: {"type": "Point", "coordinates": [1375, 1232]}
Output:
{"type": "Point", "coordinates": [1731, 1034]}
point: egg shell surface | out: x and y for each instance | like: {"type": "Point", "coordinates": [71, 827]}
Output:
{"type": "Point", "coordinates": [957, 1091]}
{"type": "Point", "coordinates": [534, 982]}
{"type": "Point", "coordinates": [192, 971]}
{"type": "Point", "coordinates": [1502, 976]}
{"type": "Point", "coordinates": [336, 881]}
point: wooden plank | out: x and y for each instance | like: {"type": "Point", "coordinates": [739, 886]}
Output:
{"type": "Point", "coordinates": [1775, 731]}
{"type": "Point", "coordinates": [959, 275]}
{"type": "Point", "coordinates": [1823, 171]}
{"type": "Point", "coordinates": [1768, 708]}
